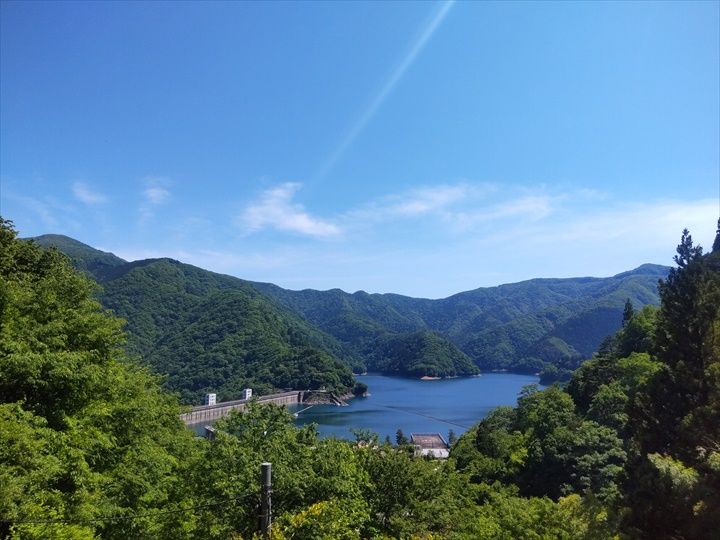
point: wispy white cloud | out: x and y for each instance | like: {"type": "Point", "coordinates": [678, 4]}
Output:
{"type": "Point", "coordinates": [86, 195]}
{"type": "Point", "coordinates": [155, 193]}
{"type": "Point", "coordinates": [156, 189]}
{"type": "Point", "coordinates": [275, 209]}
{"type": "Point", "coordinates": [523, 208]}
{"type": "Point", "coordinates": [38, 207]}
{"type": "Point", "coordinates": [525, 234]}
{"type": "Point", "coordinates": [420, 201]}
{"type": "Point", "coordinates": [633, 226]}
{"type": "Point", "coordinates": [591, 194]}
{"type": "Point", "coordinates": [35, 215]}
{"type": "Point", "coordinates": [425, 200]}
{"type": "Point", "coordinates": [461, 207]}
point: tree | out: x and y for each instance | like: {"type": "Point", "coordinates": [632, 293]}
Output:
{"type": "Point", "coordinates": [609, 405]}
{"type": "Point", "coordinates": [638, 334]}
{"type": "Point", "coordinates": [87, 438]}
{"type": "Point", "coordinates": [333, 519]}
{"type": "Point", "coordinates": [675, 474]}
{"type": "Point", "coordinates": [686, 342]}
{"type": "Point", "coordinates": [360, 389]}
{"type": "Point", "coordinates": [501, 448]}
{"type": "Point", "coordinates": [628, 312]}
{"type": "Point", "coordinates": [400, 438]}
{"type": "Point", "coordinates": [543, 412]}
{"type": "Point", "coordinates": [686, 252]}
{"type": "Point", "coordinates": [412, 497]}
{"type": "Point", "coordinates": [570, 518]}
{"type": "Point", "coordinates": [364, 436]}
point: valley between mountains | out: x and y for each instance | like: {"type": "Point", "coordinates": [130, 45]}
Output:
{"type": "Point", "coordinates": [205, 331]}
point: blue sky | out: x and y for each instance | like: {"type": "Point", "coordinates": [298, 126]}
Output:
{"type": "Point", "coordinates": [418, 148]}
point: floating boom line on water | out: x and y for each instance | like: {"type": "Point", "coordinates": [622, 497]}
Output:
{"type": "Point", "coordinates": [410, 411]}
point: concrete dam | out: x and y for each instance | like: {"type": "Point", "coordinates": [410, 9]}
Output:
{"type": "Point", "coordinates": [205, 413]}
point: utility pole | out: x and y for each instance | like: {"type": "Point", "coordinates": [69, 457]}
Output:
{"type": "Point", "coordinates": [266, 499]}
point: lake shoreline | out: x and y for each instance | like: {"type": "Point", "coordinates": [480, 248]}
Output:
{"type": "Point", "coordinates": [413, 405]}
{"type": "Point", "coordinates": [426, 377]}
{"type": "Point", "coordinates": [418, 406]}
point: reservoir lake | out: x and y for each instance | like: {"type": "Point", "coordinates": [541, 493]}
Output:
{"type": "Point", "coordinates": [417, 406]}
{"type": "Point", "coordinates": [413, 405]}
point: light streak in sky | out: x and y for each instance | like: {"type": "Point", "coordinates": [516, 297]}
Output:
{"type": "Point", "coordinates": [387, 88]}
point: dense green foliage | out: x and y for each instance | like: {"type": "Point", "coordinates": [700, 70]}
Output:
{"type": "Point", "coordinates": [420, 354]}
{"type": "Point", "coordinates": [674, 485]}
{"type": "Point", "coordinates": [522, 326]}
{"type": "Point", "coordinates": [656, 383]}
{"type": "Point", "coordinates": [212, 333]}
{"type": "Point", "coordinates": [638, 427]}
{"type": "Point", "coordinates": [90, 446]}
{"type": "Point", "coordinates": [88, 259]}
{"type": "Point", "coordinates": [83, 434]}
{"type": "Point", "coordinates": [541, 325]}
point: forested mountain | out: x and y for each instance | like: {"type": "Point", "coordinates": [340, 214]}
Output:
{"type": "Point", "coordinates": [209, 332]}
{"type": "Point", "coordinates": [96, 262]}
{"type": "Point", "coordinates": [92, 447]}
{"type": "Point", "coordinates": [185, 323]}
{"type": "Point", "coordinates": [421, 353]}
{"type": "Point", "coordinates": [520, 326]}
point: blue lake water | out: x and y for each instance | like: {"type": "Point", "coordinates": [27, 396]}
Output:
{"type": "Point", "coordinates": [417, 406]}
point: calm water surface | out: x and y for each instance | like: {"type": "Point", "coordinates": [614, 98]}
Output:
{"type": "Point", "coordinates": [417, 406]}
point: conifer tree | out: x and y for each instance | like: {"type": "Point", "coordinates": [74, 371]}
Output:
{"type": "Point", "coordinates": [675, 475]}
{"type": "Point", "coordinates": [400, 438]}
{"type": "Point", "coordinates": [628, 312]}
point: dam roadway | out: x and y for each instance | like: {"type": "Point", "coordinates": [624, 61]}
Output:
{"type": "Point", "coordinates": [206, 413]}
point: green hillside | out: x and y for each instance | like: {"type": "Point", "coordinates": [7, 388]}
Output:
{"type": "Point", "coordinates": [520, 326]}
{"type": "Point", "coordinates": [97, 263]}
{"type": "Point", "coordinates": [210, 332]}
{"type": "Point", "coordinates": [420, 354]}
{"type": "Point", "coordinates": [389, 338]}
{"type": "Point", "coordinates": [185, 323]}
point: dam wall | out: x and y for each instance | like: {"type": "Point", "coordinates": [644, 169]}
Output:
{"type": "Point", "coordinates": [204, 413]}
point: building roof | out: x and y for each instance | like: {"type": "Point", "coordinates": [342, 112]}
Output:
{"type": "Point", "coordinates": [428, 441]}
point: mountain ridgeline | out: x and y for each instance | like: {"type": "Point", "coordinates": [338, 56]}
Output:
{"type": "Point", "coordinates": [524, 326]}
{"type": "Point", "coordinates": [211, 332]}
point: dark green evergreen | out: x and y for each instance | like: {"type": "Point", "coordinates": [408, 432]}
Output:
{"type": "Point", "coordinates": [674, 485]}
{"type": "Point", "coordinates": [400, 438]}
{"type": "Point", "coordinates": [628, 312]}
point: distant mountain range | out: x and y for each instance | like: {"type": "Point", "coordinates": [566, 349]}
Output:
{"type": "Point", "coordinates": [207, 331]}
